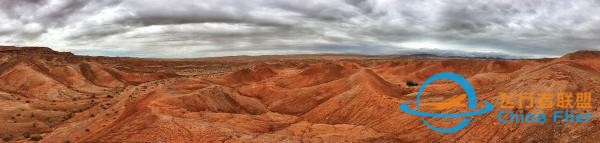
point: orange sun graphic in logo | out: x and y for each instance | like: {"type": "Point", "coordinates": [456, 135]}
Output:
{"type": "Point", "coordinates": [455, 101]}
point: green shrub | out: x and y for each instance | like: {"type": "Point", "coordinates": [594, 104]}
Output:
{"type": "Point", "coordinates": [411, 83]}
{"type": "Point", "coordinates": [68, 116]}
{"type": "Point", "coordinates": [6, 137]}
{"type": "Point", "coordinates": [27, 134]}
{"type": "Point", "coordinates": [36, 137]}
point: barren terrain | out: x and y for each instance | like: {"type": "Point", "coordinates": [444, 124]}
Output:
{"type": "Point", "coordinates": [60, 97]}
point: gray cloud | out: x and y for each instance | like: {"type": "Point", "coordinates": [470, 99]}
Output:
{"type": "Point", "coordinates": [183, 28]}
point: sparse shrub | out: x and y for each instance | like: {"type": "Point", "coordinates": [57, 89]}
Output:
{"type": "Point", "coordinates": [68, 116]}
{"type": "Point", "coordinates": [6, 137]}
{"type": "Point", "coordinates": [36, 137]}
{"type": "Point", "coordinates": [411, 83]}
{"type": "Point", "coordinates": [27, 134]}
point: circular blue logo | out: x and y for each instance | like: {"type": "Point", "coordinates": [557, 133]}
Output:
{"type": "Point", "coordinates": [472, 103]}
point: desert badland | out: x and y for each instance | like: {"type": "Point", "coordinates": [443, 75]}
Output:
{"type": "Point", "coordinates": [60, 97]}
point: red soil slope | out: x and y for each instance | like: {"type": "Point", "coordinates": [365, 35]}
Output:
{"type": "Point", "coordinates": [62, 97]}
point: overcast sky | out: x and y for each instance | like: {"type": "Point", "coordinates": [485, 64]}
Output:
{"type": "Point", "coordinates": [207, 28]}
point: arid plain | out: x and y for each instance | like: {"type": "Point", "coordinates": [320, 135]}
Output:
{"type": "Point", "coordinates": [60, 97]}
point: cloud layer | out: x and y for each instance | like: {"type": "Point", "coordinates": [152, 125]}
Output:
{"type": "Point", "coordinates": [184, 28]}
